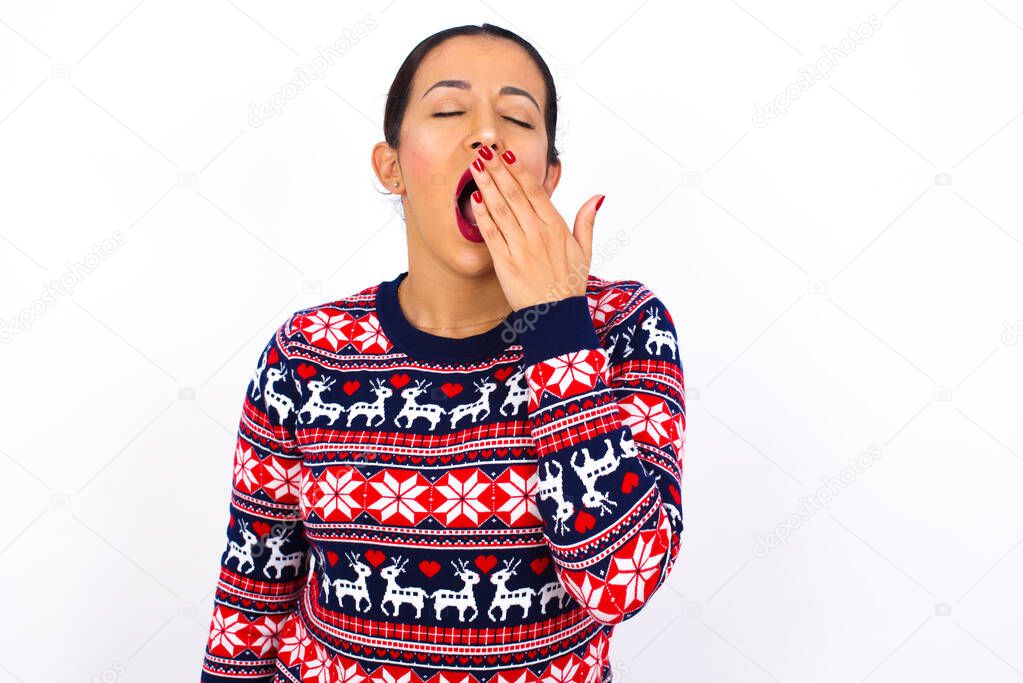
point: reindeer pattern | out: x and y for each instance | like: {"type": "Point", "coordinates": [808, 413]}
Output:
{"type": "Point", "coordinates": [484, 498]}
{"type": "Point", "coordinates": [277, 563]}
{"type": "Point", "coordinates": [399, 598]}
{"type": "Point", "coordinates": [414, 407]}
{"type": "Point", "coordinates": [360, 586]}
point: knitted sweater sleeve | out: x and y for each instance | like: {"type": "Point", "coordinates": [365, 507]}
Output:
{"type": "Point", "coordinates": [608, 420]}
{"type": "Point", "coordinates": [265, 562]}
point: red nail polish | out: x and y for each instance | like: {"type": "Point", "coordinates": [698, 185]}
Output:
{"type": "Point", "coordinates": [477, 197]}
{"type": "Point", "coordinates": [599, 202]}
{"type": "Point", "coordinates": [486, 153]}
{"type": "Point", "coordinates": [508, 156]}
{"type": "Point", "coordinates": [478, 164]}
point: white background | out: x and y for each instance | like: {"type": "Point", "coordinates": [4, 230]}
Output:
{"type": "Point", "coordinates": [845, 280]}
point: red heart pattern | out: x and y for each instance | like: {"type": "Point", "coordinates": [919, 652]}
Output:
{"type": "Point", "coordinates": [477, 487]}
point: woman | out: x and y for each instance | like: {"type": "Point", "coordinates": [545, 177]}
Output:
{"type": "Point", "coordinates": [471, 471]}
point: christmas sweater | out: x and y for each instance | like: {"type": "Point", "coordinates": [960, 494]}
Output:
{"type": "Point", "coordinates": [414, 508]}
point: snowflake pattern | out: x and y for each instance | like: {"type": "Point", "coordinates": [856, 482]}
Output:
{"type": "Point", "coordinates": [398, 499]}
{"type": "Point", "coordinates": [282, 480]}
{"type": "Point", "coordinates": [327, 328]}
{"type": "Point", "coordinates": [227, 636]}
{"type": "Point", "coordinates": [461, 517]}
{"type": "Point", "coordinates": [337, 490]}
{"type": "Point", "coordinates": [370, 337]}
{"type": "Point", "coordinates": [634, 572]}
{"type": "Point", "coordinates": [519, 487]}
{"type": "Point", "coordinates": [462, 495]}
{"type": "Point", "coordinates": [650, 418]}
{"type": "Point", "coordinates": [246, 466]}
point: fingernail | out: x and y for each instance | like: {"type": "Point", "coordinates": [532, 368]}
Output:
{"type": "Point", "coordinates": [599, 202]}
{"type": "Point", "coordinates": [477, 197]}
{"type": "Point", "coordinates": [486, 153]}
{"type": "Point", "coordinates": [478, 164]}
{"type": "Point", "coordinates": [508, 156]}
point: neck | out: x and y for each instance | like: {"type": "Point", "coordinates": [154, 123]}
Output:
{"type": "Point", "coordinates": [452, 305]}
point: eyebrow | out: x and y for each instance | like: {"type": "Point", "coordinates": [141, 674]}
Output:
{"type": "Point", "coordinates": [465, 85]}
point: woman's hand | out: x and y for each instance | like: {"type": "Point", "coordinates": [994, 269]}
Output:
{"type": "Point", "coordinates": [536, 258]}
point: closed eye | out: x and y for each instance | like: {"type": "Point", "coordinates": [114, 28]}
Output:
{"type": "Point", "coordinates": [459, 113]}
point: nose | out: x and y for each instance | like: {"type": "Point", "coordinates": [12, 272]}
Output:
{"type": "Point", "coordinates": [484, 130]}
{"type": "Point", "coordinates": [492, 145]}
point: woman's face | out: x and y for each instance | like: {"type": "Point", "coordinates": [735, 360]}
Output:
{"type": "Point", "coordinates": [434, 151]}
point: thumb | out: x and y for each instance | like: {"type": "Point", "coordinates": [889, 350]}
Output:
{"type": "Point", "coordinates": [584, 220]}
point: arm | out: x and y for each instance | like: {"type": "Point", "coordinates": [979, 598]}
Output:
{"type": "Point", "coordinates": [608, 420]}
{"type": "Point", "coordinates": [264, 566]}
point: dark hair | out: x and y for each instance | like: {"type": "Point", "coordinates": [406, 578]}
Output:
{"type": "Point", "coordinates": [401, 88]}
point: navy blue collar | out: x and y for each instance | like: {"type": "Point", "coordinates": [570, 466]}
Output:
{"type": "Point", "coordinates": [419, 344]}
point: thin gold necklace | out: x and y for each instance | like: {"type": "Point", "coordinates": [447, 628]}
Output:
{"type": "Point", "coordinates": [449, 327]}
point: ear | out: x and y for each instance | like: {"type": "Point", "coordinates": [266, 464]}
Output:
{"type": "Point", "coordinates": [385, 164]}
{"type": "Point", "coordinates": [553, 176]}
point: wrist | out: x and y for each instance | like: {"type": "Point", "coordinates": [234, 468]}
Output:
{"type": "Point", "coordinates": [553, 328]}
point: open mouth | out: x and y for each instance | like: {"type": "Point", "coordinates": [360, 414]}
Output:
{"type": "Point", "coordinates": [463, 197]}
